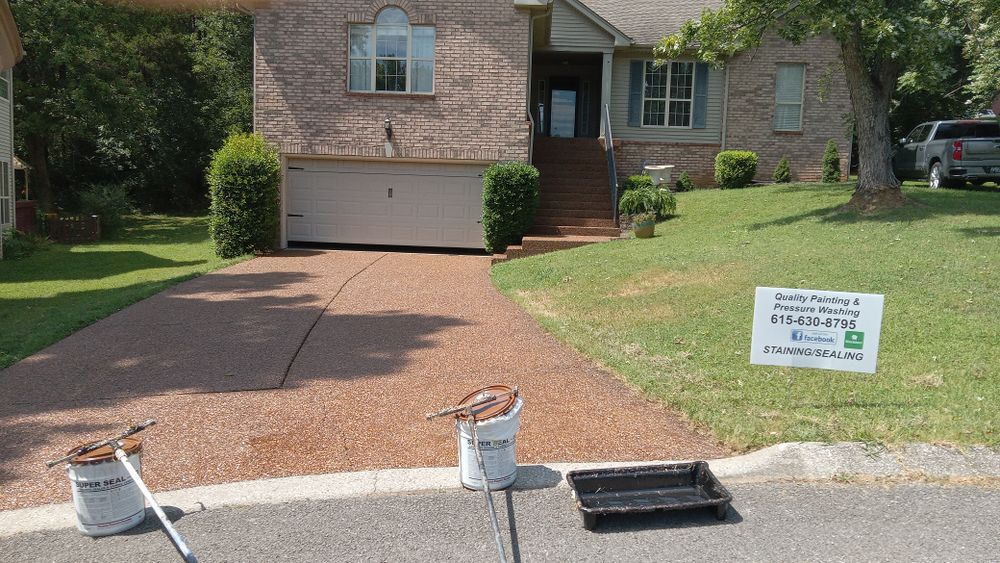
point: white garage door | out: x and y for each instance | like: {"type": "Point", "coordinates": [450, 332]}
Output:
{"type": "Point", "coordinates": [385, 203]}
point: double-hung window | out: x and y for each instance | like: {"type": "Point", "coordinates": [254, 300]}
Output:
{"type": "Point", "coordinates": [668, 94]}
{"type": "Point", "coordinates": [392, 55]}
{"type": "Point", "coordinates": [789, 94]}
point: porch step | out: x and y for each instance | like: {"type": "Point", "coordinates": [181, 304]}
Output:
{"type": "Point", "coordinates": [569, 221]}
{"type": "Point", "coordinates": [588, 197]}
{"type": "Point", "coordinates": [574, 211]}
{"type": "Point", "coordinates": [532, 245]}
{"type": "Point", "coordinates": [613, 232]}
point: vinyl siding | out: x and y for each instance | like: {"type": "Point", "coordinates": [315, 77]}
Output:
{"type": "Point", "coordinates": [712, 133]}
{"type": "Point", "coordinates": [572, 31]}
{"type": "Point", "coordinates": [6, 141]}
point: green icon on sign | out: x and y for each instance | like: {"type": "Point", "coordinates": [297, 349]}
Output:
{"type": "Point", "coordinates": [854, 340]}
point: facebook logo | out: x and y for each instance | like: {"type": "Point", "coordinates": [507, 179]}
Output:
{"type": "Point", "coordinates": [798, 336]}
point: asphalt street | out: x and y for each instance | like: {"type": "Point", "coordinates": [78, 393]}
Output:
{"type": "Point", "coordinates": [768, 522]}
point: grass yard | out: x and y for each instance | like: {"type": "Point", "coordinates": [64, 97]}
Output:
{"type": "Point", "coordinates": [673, 314]}
{"type": "Point", "coordinates": [57, 291]}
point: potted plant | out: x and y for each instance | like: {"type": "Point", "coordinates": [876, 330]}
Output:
{"type": "Point", "coordinates": [643, 225]}
{"type": "Point", "coordinates": [646, 205]}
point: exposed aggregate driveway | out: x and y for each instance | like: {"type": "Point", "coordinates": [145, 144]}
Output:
{"type": "Point", "coordinates": [309, 362]}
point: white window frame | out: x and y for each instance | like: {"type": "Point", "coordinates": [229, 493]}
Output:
{"type": "Point", "coordinates": [802, 98]}
{"type": "Point", "coordinates": [373, 59]}
{"type": "Point", "coordinates": [668, 99]}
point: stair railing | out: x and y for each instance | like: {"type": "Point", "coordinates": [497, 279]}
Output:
{"type": "Point", "coordinates": [609, 150]}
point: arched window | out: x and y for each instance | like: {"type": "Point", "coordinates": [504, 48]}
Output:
{"type": "Point", "coordinates": [392, 55]}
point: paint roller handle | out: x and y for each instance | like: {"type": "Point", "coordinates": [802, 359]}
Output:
{"type": "Point", "coordinates": [87, 448]}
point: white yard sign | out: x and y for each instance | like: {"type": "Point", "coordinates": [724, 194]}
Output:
{"type": "Point", "coordinates": [805, 328]}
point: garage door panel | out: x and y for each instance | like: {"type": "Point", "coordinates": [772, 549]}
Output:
{"type": "Point", "coordinates": [349, 202]}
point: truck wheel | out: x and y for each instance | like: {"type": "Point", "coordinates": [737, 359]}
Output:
{"type": "Point", "coordinates": [934, 178]}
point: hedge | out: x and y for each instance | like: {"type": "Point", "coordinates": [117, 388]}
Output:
{"type": "Point", "coordinates": [735, 169]}
{"type": "Point", "coordinates": [510, 200]}
{"type": "Point", "coordinates": [244, 180]}
{"type": "Point", "coordinates": [831, 163]}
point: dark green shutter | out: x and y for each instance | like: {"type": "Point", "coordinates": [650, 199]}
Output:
{"type": "Point", "coordinates": [700, 112]}
{"type": "Point", "coordinates": [637, 80]}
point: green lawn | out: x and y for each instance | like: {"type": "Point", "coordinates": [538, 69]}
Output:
{"type": "Point", "coordinates": [57, 291]}
{"type": "Point", "coordinates": [672, 314]}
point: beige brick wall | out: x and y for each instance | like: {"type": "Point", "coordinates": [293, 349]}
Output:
{"type": "Point", "coordinates": [476, 113]}
{"type": "Point", "coordinates": [751, 107]}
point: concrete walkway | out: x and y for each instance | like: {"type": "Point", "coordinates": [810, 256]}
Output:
{"type": "Point", "coordinates": [311, 362]}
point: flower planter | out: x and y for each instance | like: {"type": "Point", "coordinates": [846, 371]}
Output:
{"type": "Point", "coordinates": [644, 229]}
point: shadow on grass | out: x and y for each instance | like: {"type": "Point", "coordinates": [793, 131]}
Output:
{"type": "Point", "coordinates": [922, 205]}
{"type": "Point", "coordinates": [62, 265]}
{"type": "Point", "coordinates": [977, 232]}
{"type": "Point", "coordinates": [156, 229]}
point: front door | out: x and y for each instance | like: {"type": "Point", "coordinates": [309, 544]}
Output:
{"type": "Point", "coordinates": [562, 114]}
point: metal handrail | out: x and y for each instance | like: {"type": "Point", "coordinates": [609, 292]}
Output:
{"type": "Point", "coordinates": [609, 149]}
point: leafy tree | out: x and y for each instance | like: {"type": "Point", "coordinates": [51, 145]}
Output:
{"type": "Point", "coordinates": [114, 94]}
{"type": "Point", "coordinates": [982, 49]}
{"type": "Point", "coordinates": [879, 40]}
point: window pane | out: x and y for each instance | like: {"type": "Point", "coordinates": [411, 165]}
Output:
{"type": "Point", "coordinates": [423, 76]}
{"type": "Point", "coordinates": [656, 80]}
{"type": "Point", "coordinates": [361, 75]}
{"type": "Point", "coordinates": [788, 87]}
{"type": "Point", "coordinates": [681, 80]}
{"type": "Point", "coordinates": [4, 88]}
{"type": "Point", "coordinates": [392, 15]}
{"type": "Point", "coordinates": [390, 76]}
{"type": "Point", "coordinates": [361, 45]}
{"type": "Point", "coordinates": [654, 112]}
{"type": "Point", "coordinates": [390, 41]}
{"type": "Point", "coordinates": [423, 42]}
{"type": "Point", "coordinates": [786, 117]}
{"type": "Point", "coordinates": [680, 114]}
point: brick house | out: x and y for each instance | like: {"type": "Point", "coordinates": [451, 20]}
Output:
{"type": "Point", "coordinates": [386, 112]}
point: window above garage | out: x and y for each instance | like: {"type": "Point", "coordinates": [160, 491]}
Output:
{"type": "Point", "coordinates": [392, 56]}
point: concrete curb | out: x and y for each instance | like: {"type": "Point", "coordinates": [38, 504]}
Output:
{"type": "Point", "coordinates": [800, 461]}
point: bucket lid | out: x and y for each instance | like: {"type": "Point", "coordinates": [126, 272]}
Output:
{"type": "Point", "coordinates": [105, 453]}
{"type": "Point", "coordinates": [493, 409]}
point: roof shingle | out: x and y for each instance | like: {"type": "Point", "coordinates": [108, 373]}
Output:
{"type": "Point", "coordinates": [647, 21]}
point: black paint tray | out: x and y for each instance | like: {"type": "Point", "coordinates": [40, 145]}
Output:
{"type": "Point", "coordinates": [624, 490]}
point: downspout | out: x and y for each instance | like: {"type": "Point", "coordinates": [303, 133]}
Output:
{"type": "Point", "coordinates": [725, 108]}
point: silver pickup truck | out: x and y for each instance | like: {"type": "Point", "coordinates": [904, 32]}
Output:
{"type": "Point", "coordinates": [950, 153]}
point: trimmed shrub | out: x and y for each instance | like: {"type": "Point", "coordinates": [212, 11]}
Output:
{"type": "Point", "coordinates": [637, 181]}
{"type": "Point", "coordinates": [637, 201]}
{"type": "Point", "coordinates": [684, 183]}
{"type": "Point", "coordinates": [510, 200]}
{"type": "Point", "coordinates": [831, 163]}
{"type": "Point", "coordinates": [244, 180]}
{"type": "Point", "coordinates": [783, 171]}
{"type": "Point", "coordinates": [110, 203]}
{"type": "Point", "coordinates": [735, 169]}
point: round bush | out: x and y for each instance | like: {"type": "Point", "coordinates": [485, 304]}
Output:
{"type": "Point", "coordinates": [637, 181]}
{"type": "Point", "coordinates": [244, 181]}
{"type": "Point", "coordinates": [684, 183]}
{"type": "Point", "coordinates": [735, 169]}
{"type": "Point", "coordinates": [510, 200]}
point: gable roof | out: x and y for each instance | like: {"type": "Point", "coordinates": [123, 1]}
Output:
{"type": "Point", "coordinates": [647, 21]}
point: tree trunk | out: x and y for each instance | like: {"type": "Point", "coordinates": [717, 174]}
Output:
{"type": "Point", "coordinates": [871, 86]}
{"type": "Point", "coordinates": [38, 158]}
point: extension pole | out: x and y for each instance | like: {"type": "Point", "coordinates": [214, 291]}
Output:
{"type": "Point", "coordinates": [486, 489]}
{"type": "Point", "coordinates": [174, 535]}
